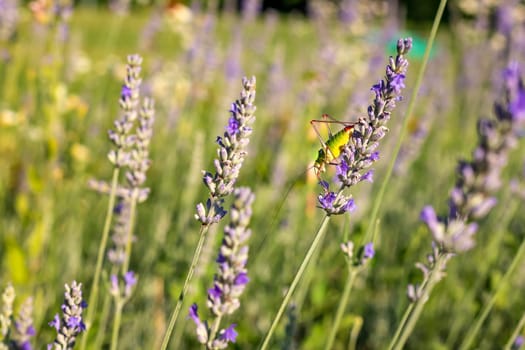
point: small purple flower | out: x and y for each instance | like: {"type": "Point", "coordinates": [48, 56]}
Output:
{"type": "Point", "coordinates": [230, 334]}
{"type": "Point", "coordinates": [342, 168]}
{"type": "Point", "coordinates": [374, 156]}
{"type": "Point", "coordinates": [368, 251]}
{"type": "Point", "coordinates": [55, 323]}
{"type": "Point", "coordinates": [517, 107]}
{"type": "Point", "coordinates": [398, 83]}
{"type": "Point", "coordinates": [126, 92]}
{"type": "Point", "coordinates": [368, 176]}
{"type": "Point", "coordinates": [194, 315]}
{"type": "Point", "coordinates": [241, 279]}
{"type": "Point", "coordinates": [215, 292]}
{"type": "Point", "coordinates": [233, 126]}
{"type": "Point", "coordinates": [378, 88]}
{"type": "Point", "coordinates": [327, 200]}
{"type": "Point", "coordinates": [130, 279]}
{"type": "Point", "coordinates": [349, 206]}
{"type": "Point", "coordinates": [75, 322]}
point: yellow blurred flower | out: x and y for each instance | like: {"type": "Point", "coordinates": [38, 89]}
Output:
{"type": "Point", "coordinates": [11, 118]}
{"type": "Point", "coordinates": [80, 153]}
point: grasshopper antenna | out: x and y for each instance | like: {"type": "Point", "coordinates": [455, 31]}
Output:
{"type": "Point", "coordinates": [276, 213]}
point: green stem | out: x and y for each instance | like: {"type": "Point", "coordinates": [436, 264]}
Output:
{"type": "Point", "coordinates": [176, 311]}
{"type": "Point", "coordinates": [515, 333]}
{"type": "Point", "coordinates": [131, 227]}
{"type": "Point", "coordinates": [352, 274]}
{"type": "Point", "coordinates": [214, 331]}
{"type": "Point", "coordinates": [467, 342]}
{"type": "Point", "coordinates": [379, 198]}
{"type": "Point", "coordinates": [295, 282]}
{"type": "Point", "coordinates": [434, 276]}
{"type": "Point", "coordinates": [93, 296]}
{"type": "Point", "coordinates": [116, 324]}
{"type": "Point", "coordinates": [402, 323]}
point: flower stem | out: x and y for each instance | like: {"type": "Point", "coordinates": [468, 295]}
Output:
{"type": "Point", "coordinates": [93, 295]}
{"type": "Point", "coordinates": [295, 282]}
{"type": "Point", "coordinates": [214, 331]}
{"type": "Point", "coordinates": [116, 324]}
{"type": "Point", "coordinates": [515, 333]}
{"type": "Point", "coordinates": [352, 274]}
{"type": "Point", "coordinates": [379, 198]}
{"type": "Point", "coordinates": [416, 308]}
{"type": "Point", "coordinates": [131, 227]}
{"type": "Point", "coordinates": [467, 342]}
{"type": "Point", "coordinates": [176, 311]}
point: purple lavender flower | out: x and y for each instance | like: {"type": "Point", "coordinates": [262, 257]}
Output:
{"type": "Point", "coordinates": [335, 204]}
{"type": "Point", "coordinates": [71, 323]}
{"type": "Point", "coordinates": [231, 277]}
{"type": "Point", "coordinates": [368, 251]}
{"type": "Point", "coordinates": [23, 326]}
{"type": "Point", "coordinates": [360, 152]}
{"type": "Point", "coordinates": [123, 293]}
{"type": "Point", "coordinates": [477, 180]}
{"type": "Point", "coordinates": [232, 151]}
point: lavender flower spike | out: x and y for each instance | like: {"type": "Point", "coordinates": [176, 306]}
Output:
{"type": "Point", "coordinates": [360, 152]}
{"type": "Point", "coordinates": [71, 324]}
{"type": "Point", "coordinates": [232, 276]}
{"type": "Point", "coordinates": [231, 154]}
{"type": "Point", "coordinates": [24, 330]}
{"type": "Point", "coordinates": [8, 298]}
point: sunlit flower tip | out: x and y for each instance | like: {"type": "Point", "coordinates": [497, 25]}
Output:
{"type": "Point", "coordinates": [348, 249]}
{"type": "Point", "coordinates": [349, 205]}
{"type": "Point", "coordinates": [368, 176]}
{"type": "Point", "coordinates": [233, 126]}
{"type": "Point", "coordinates": [229, 334]}
{"type": "Point", "coordinates": [194, 315]}
{"type": "Point", "coordinates": [55, 323]}
{"type": "Point", "coordinates": [241, 279]}
{"type": "Point", "coordinates": [368, 251]}
{"type": "Point", "coordinates": [125, 92]}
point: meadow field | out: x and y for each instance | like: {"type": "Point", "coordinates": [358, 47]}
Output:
{"type": "Point", "coordinates": [161, 183]}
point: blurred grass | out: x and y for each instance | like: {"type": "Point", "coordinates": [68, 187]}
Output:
{"type": "Point", "coordinates": [57, 101]}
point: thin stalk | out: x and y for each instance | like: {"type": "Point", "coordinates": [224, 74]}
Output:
{"type": "Point", "coordinates": [405, 317]}
{"type": "Point", "coordinates": [104, 316]}
{"type": "Point", "coordinates": [215, 329]}
{"type": "Point", "coordinates": [515, 333]}
{"type": "Point", "coordinates": [354, 333]}
{"type": "Point", "coordinates": [295, 282]}
{"type": "Point", "coordinates": [352, 274]}
{"type": "Point", "coordinates": [379, 198]}
{"type": "Point", "coordinates": [131, 227]}
{"type": "Point", "coordinates": [413, 317]}
{"type": "Point", "coordinates": [116, 324]}
{"type": "Point", "coordinates": [467, 342]}
{"type": "Point", "coordinates": [176, 311]}
{"type": "Point", "coordinates": [93, 296]}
